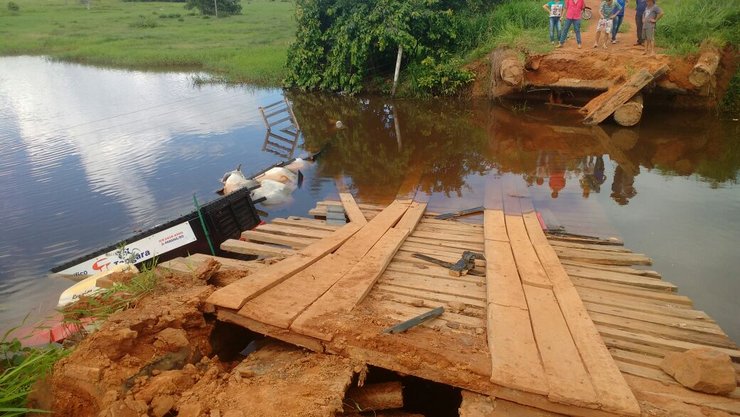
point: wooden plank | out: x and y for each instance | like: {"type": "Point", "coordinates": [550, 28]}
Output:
{"type": "Point", "coordinates": [448, 237]}
{"type": "Point", "coordinates": [669, 311]}
{"type": "Point", "coordinates": [475, 247]}
{"type": "Point", "coordinates": [612, 268]}
{"type": "Point", "coordinates": [293, 242]}
{"type": "Point", "coordinates": [530, 269]}
{"type": "Point", "coordinates": [503, 285]}
{"type": "Point", "coordinates": [589, 246]}
{"type": "Point", "coordinates": [611, 258]}
{"type": "Point", "coordinates": [442, 286]}
{"type": "Point", "coordinates": [235, 295]}
{"type": "Point", "coordinates": [648, 361]}
{"type": "Point", "coordinates": [604, 105]}
{"type": "Point", "coordinates": [659, 342]}
{"type": "Point", "coordinates": [619, 278]}
{"type": "Point", "coordinates": [645, 372]}
{"type": "Point", "coordinates": [351, 288]}
{"type": "Point", "coordinates": [280, 305]}
{"type": "Point", "coordinates": [515, 358]}
{"type": "Point", "coordinates": [612, 241]}
{"type": "Point", "coordinates": [251, 248]}
{"type": "Point", "coordinates": [353, 210]}
{"type": "Point", "coordinates": [402, 312]}
{"type": "Point", "coordinates": [611, 389]}
{"type": "Point", "coordinates": [380, 293]}
{"type": "Point", "coordinates": [503, 408]}
{"type": "Point", "coordinates": [413, 215]}
{"type": "Point", "coordinates": [271, 331]}
{"type": "Point", "coordinates": [674, 333]}
{"type": "Point", "coordinates": [293, 231]}
{"type": "Point", "coordinates": [630, 290]}
{"type": "Point", "coordinates": [565, 372]}
{"type": "Point", "coordinates": [695, 325]}
{"type": "Point", "coordinates": [428, 296]}
{"type": "Point", "coordinates": [495, 226]}
{"type": "Point", "coordinates": [306, 222]}
{"type": "Point", "coordinates": [431, 271]}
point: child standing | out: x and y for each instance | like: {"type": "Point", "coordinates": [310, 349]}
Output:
{"type": "Point", "coordinates": [573, 9]}
{"type": "Point", "coordinates": [556, 9]}
{"type": "Point", "coordinates": [607, 10]}
{"type": "Point", "coordinates": [650, 17]}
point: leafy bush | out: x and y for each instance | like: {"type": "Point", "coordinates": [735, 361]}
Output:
{"type": "Point", "coordinates": [207, 7]}
{"type": "Point", "coordinates": [441, 79]}
{"type": "Point", "coordinates": [144, 23]}
{"type": "Point", "coordinates": [342, 42]}
{"type": "Point", "coordinates": [13, 7]}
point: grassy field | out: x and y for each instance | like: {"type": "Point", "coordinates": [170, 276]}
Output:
{"type": "Point", "coordinates": [250, 47]}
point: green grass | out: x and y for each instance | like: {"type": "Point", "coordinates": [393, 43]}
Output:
{"type": "Point", "coordinates": [20, 368]}
{"type": "Point", "coordinates": [250, 47]}
{"type": "Point", "coordinates": [102, 304]}
{"type": "Point", "coordinates": [688, 23]}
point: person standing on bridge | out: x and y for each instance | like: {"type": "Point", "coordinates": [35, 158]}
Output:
{"type": "Point", "coordinates": [573, 10]}
{"type": "Point", "coordinates": [607, 12]}
{"type": "Point", "coordinates": [622, 4]}
{"type": "Point", "coordinates": [640, 6]}
{"type": "Point", "coordinates": [555, 8]}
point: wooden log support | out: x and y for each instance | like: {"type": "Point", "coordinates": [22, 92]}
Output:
{"type": "Point", "coordinates": [507, 72]}
{"type": "Point", "coordinates": [374, 397]}
{"type": "Point", "coordinates": [629, 113]}
{"type": "Point", "coordinates": [601, 107]}
{"type": "Point", "coordinates": [705, 68]}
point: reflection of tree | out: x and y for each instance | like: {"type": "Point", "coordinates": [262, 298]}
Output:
{"type": "Point", "coordinates": [448, 141]}
{"type": "Point", "coordinates": [438, 140]}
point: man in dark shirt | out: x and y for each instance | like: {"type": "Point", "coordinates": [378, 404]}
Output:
{"type": "Point", "coordinates": [640, 7]}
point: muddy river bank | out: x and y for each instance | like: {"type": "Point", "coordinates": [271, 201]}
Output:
{"type": "Point", "coordinates": [89, 156]}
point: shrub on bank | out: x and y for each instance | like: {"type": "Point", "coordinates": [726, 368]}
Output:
{"type": "Point", "coordinates": [13, 7]}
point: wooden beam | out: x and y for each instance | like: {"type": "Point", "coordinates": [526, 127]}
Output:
{"type": "Point", "coordinates": [604, 105]}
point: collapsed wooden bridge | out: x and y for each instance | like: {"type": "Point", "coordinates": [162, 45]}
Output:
{"type": "Point", "coordinates": [548, 325]}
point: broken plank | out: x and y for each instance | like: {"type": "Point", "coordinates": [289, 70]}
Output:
{"type": "Point", "coordinates": [235, 295]}
{"type": "Point", "coordinates": [353, 210]}
{"type": "Point", "coordinates": [428, 296]}
{"type": "Point", "coordinates": [293, 242]}
{"type": "Point", "coordinates": [351, 288]}
{"type": "Point", "coordinates": [251, 248]}
{"type": "Point", "coordinates": [605, 104]}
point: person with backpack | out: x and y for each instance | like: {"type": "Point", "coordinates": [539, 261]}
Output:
{"type": "Point", "coordinates": [573, 10]}
{"type": "Point", "coordinates": [622, 4]}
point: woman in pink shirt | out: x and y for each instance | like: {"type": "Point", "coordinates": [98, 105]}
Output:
{"type": "Point", "coordinates": [573, 9]}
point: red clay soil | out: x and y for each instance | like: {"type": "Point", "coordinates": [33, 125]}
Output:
{"type": "Point", "coordinates": [157, 359]}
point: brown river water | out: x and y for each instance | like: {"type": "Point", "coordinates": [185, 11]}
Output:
{"type": "Point", "coordinates": [89, 156]}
